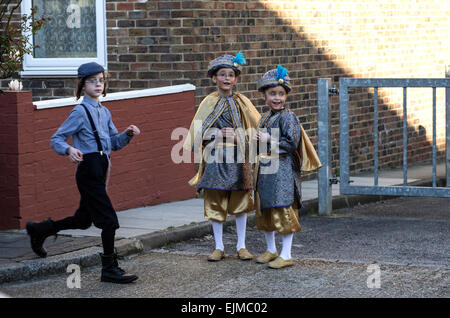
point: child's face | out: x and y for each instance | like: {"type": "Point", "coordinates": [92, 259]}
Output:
{"type": "Point", "coordinates": [225, 79]}
{"type": "Point", "coordinates": [275, 97]}
{"type": "Point", "coordinates": [94, 86]}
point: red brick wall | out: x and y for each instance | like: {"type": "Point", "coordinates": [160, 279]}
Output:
{"type": "Point", "coordinates": [9, 161]}
{"type": "Point", "coordinates": [36, 183]}
{"type": "Point", "coordinates": [158, 43]}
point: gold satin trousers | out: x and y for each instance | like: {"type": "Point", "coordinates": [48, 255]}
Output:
{"type": "Point", "coordinates": [284, 220]}
{"type": "Point", "coordinates": [219, 203]}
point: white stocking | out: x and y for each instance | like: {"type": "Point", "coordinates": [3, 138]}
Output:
{"type": "Point", "coordinates": [218, 230]}
{"type": "Point", "coordinates": [287, 244]}
{"type": "Point", "coordinates": [270, 241]}
{"type": "Point", "coordinates": [241, 224]}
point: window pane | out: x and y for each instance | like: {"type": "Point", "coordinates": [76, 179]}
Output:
{"type": "Point", "coordinates": [72, 31]}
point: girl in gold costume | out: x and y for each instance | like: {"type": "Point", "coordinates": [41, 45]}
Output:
{"type": "Point", "coordinates": [287, 151]}
{"type": "Point", "coordinates": [220, 133]}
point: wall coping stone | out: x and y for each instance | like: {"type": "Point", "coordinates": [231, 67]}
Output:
{"type": "Point", "coordinates": [70, 101]}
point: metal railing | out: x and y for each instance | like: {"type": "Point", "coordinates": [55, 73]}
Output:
{"type": "Point", "coordinates": [324, 176]}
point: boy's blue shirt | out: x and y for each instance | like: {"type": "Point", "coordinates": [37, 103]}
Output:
{"type": "Point", "coordinates": [78, 127]}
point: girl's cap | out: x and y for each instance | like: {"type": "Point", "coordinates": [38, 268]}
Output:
{"type": "Point", "coordinates": [227, 61]}
{"type": "Point", "coordinates": [275, 77]}
{"type": "Point", "coordinates": [89, 69]}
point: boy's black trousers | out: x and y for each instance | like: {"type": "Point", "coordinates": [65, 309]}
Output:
{"type": "Point", "coordinates": [95, 205]}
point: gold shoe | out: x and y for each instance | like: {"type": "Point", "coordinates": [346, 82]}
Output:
{"type": "Point", "coordinates": [266, 257]}
{"type": "Point", "coordinates": [244, 255]}
{"type": "Point", "coordinates": [217, 255]}
{"type": "Point", "coordinates": [281, 263]}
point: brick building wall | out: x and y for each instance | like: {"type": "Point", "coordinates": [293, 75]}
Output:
{"type": "Point", "coordinates": [159, 43]}
{"type": "Point", "coordinates": [36, 183]}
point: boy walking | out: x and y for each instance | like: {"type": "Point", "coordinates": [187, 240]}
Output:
{"type": "Point", "coordinates": [94, 137]}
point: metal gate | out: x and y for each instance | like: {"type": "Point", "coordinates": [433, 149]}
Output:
{"type": "Point", "coordinates": [325, 179]}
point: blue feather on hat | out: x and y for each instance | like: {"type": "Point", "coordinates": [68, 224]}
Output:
{"type": "Point", "coordinates": [281, 72]}
{"type": "Point", "coordinates": [239, 59]}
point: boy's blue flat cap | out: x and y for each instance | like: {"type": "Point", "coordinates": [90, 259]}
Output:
{"type": "Point", "coordinates": [89, 69]}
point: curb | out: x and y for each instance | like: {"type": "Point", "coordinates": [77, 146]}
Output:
{"type": "Point", "coordinates": [30, 269]}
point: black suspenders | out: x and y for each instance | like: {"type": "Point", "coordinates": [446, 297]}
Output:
{"type": "Point", "coordinates": [97, 137]}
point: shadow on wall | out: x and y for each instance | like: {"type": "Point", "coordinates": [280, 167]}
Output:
{"type": "Point", "coordinates": [330, 39]}
{"type": "Point", "coordinates": [335, 43]}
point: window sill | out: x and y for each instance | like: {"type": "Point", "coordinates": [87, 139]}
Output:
{"type": "Point", "coordinates": [47, 74]}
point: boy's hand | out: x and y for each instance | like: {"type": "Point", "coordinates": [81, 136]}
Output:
{"type": "Point", "coordinates": [132, 130]}
{"type": "Point", "coordinates": [75, 155]}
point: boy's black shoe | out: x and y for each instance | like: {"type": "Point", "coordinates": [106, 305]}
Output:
{"type": "Point", "coordinates": [111, 272]}
{"type": "Point", "coordinates": [38, 232]}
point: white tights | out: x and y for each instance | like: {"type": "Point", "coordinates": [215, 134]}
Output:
{"type": "Point", "coordinates": [217, 230]}
{"type": "Point", "coordinates": [241, 224]}
{"type": "Point", "coordinates": [287, 244]}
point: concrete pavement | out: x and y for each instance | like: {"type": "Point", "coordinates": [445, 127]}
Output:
{"type": "Point", "coordinates": [152, 227]}
{"type": "Point", "coordinates": [394, 248]}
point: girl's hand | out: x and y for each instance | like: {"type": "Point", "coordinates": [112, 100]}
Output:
{"type": "Point", "coordinates": [263, 136]}
{"type": "Point", "coordinates": [132, 130]}
{"type": "Point", "coordinates": [75, 155]}
{"type": "Point", "coordinates": [228, 133]}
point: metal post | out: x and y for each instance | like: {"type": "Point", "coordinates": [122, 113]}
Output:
{"type": "Point", "coordinates": [447, 130]}
{"type": "Point", "coordinates": [405, 139]}
{"type": "Point", "coordinates": [324, 134]}
{"type": "Point", "coordinates": [375, 134]}
{"type": "Point", "coordinates": [434, 139]}
{"type": "Point", "coordinates": [344, 135]}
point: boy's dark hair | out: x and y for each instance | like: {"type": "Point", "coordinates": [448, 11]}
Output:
{"type": "Point", "coordinates": [82, 82]}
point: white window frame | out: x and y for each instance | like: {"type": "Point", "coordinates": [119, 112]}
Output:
{"type": "Point", "coordinates": [66, 67]}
